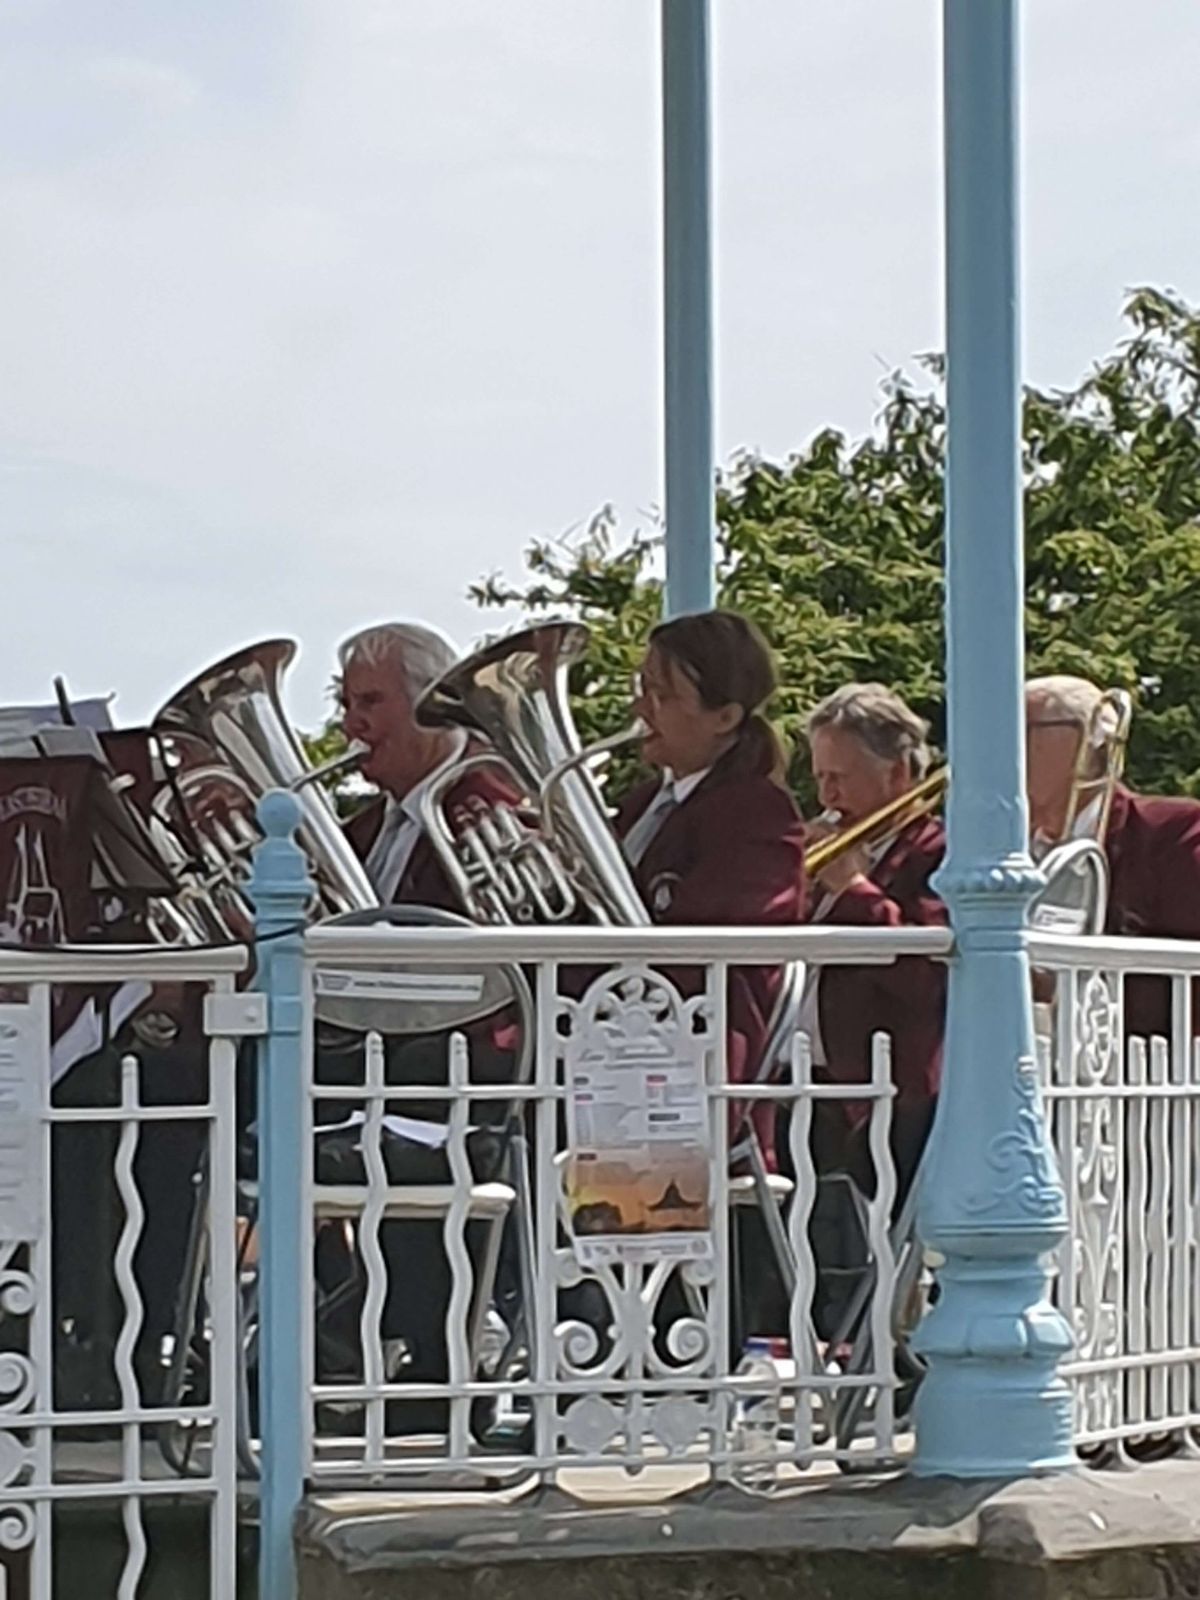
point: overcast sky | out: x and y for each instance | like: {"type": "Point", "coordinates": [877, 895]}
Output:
{"type": "Point", "coordinates": [316, 310]}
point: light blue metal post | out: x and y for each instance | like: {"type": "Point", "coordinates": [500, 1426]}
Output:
{"type": "Point", "coordinates": [280, 889]}
{"type": "Point", "coordinates": [687, 306]}
{"type": "Point", "coordinates": [991, 1203]}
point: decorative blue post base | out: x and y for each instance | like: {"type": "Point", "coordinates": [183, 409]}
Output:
{"type": "Point", "coordinates": [992, 1403]}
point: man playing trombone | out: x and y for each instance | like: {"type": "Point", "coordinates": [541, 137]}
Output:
{"type": "Point", "coordinates": [1076, 736]}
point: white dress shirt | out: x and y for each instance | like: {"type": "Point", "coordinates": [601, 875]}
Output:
{"type": "Point", "coordinates": [388, 858]}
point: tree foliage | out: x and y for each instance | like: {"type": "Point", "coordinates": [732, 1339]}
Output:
{"type": "Point", "coordinates": [837, 552]}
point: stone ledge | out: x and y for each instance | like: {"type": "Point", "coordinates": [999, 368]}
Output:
{"type": "Point", "coordinates": [1091, 1536]}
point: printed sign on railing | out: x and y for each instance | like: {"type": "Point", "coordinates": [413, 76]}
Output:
{"type": "Point", "coordinates": [638, 1127]}
{"type": "Point", "coordinates": [24, 1073]}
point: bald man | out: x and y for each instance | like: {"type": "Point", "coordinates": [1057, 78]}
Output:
{"type": "Point", "coordinates": [1152, 842]}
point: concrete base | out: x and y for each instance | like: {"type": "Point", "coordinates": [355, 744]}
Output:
{"type": "Point", "coordinates": [1084, 1535]}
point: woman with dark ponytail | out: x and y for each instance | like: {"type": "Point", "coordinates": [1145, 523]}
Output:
{"type": "Point", "coordinates": [717, 837]}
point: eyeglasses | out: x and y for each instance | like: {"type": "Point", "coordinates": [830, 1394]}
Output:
{"type": "Point", "coordinates": [642, 688]}
{"type": "Point", "coordinates": [660, 692]}
{"type": "Point", "coordinates": [1054, 722]}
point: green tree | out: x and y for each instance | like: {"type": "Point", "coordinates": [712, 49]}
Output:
{"type": "Point", "coordinates": [837, 552]}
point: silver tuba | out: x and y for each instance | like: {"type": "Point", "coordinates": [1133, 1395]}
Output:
{"type": "Point", "coordinates": [512, 696]}
{"type": "Point", "coordinates": [226, 741]}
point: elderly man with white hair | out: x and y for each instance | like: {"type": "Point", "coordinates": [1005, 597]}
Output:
{"type": "Point", "coordinates": [1152, 841]}
{"type": "Point", "coordinates": [384, 671]}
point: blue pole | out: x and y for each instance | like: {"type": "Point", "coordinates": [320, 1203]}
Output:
{"type": "Point", "coordinates": [687, 306]}
{"type": "Point", "coordinates": [281, 889]}
{"type": "Point", "coordinates": [992, 1403]}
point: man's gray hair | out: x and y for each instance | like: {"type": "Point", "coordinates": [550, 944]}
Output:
{"type": "Point", "coordinates": [1063, 698]}
{"type": "Point", "coordinates": [879, 719]}
{"type": "Point", "coordinates": [420, 654]}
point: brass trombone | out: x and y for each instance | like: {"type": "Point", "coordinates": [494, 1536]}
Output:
{"type": "Point", "coordinates": [920, 801]}
{"type": "Point", "coordinates": [1106, 729]}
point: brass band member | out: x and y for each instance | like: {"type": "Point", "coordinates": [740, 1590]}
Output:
{"type": "Point", "coordinates": [716, 838]}
{"type": "Point", "coordinates": [384, 671]}
{"type": "Point", "coordinates": [1152, 841]}
{"type": "Point", "coordinates": [868, 749]}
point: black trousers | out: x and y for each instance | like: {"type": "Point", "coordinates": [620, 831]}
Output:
{"type": "Point", "coordinates": [89, 1215]}
{"type": "Point", "coordinates": [419, 1273]}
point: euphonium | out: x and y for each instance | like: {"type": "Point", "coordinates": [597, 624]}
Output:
{"type": "Point", "coordinates": [512, 696]}
{"type": "Point", "coordinates": [228, 742]}
{"type": "Point", "coordinates": [920, 801]}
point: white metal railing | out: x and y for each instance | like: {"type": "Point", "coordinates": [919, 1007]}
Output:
{"type": "Point", "coordinates": [561, 1355]}
{"type": "Point", "coordinates": [1121, 1075]}
{"type": "Point", "coordinates": [623, 1356]}
{"type": "Point", "coordinates": [70, 1434]}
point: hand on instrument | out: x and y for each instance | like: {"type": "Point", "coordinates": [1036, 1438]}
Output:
{"type": "Point", "coordinates": [219, 801]}
{"type": "Point", "coordinates": [846, 868]}
{"type": "Point", "coordinates": [852, 866]}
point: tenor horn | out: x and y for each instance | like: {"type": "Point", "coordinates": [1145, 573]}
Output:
{"type": "Point", "coordinates": [552, 856]}
{"type": "Point", "coordinates": [227, 743]}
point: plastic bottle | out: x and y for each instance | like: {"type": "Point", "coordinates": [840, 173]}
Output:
{"type": "Point", "coordinates": [756, 1414]}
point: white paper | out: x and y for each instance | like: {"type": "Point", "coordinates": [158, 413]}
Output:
{"type": "Point", "coordinates": [24, 1073]}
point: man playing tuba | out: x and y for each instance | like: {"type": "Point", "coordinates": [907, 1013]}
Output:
{"type": "Point", "coordinates": [384, 671]}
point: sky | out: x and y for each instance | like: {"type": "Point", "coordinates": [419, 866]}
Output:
{"type": "Point", "coordinates": [315, 312]}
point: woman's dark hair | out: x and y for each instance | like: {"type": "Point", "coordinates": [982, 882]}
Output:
{"type": "Point", "coordinates": [730, 663]}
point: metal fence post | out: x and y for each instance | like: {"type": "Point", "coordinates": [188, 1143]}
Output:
{"type": "Point", "coordinates": [687, 306]}
{"type": "Point", "coordinates": [280, 888]}
{"type": "Point", "coordinates": [992, 1403]}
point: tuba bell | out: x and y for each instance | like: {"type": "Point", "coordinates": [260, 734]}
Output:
{"type": "Point", "coordinates": [511, 696]}
{"type": "Point", "coordinates": [226, 741]}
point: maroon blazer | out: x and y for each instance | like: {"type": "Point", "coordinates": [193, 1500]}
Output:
{"type": "Point", "coordinates": [424, 881]}
{"type": "Point", "coordinates": [907, 999]}
{"type": "Point", "coordinates": [732, 853]}
{"type": "Point", "coordinates": [1153, 849]}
